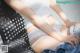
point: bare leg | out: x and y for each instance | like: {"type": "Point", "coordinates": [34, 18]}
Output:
{"type": "Point", "coordinates": [45, 42]}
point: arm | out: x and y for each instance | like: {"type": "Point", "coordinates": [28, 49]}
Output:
{"type": "Point", "coordinates": [29, 13]}
{"type": "Point", "coordinates": [59, 11]}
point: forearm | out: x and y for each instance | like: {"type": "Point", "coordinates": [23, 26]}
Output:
{"type": "Point", "coordinates": [59, 11]}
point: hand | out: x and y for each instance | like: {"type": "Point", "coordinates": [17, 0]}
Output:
{"type": "Point", "coordinates": [72, 40]}
{"type": "Point", "coordinates": [69, 23]}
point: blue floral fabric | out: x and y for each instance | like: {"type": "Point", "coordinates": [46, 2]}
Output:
{"type": "Point", "coordinates": [64, 48]}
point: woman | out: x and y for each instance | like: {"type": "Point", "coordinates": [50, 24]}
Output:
{"type": "Point", "coordinates": [23, 8]}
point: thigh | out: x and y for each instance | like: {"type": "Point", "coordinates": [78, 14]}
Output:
{"type": "Point", "coordinates": [45, 42]}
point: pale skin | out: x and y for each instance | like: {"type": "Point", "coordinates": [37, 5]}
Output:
{"type": "Point", "coordinates": [18, 6]}
{"type": "Point", "coordinates": [45, 41]}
